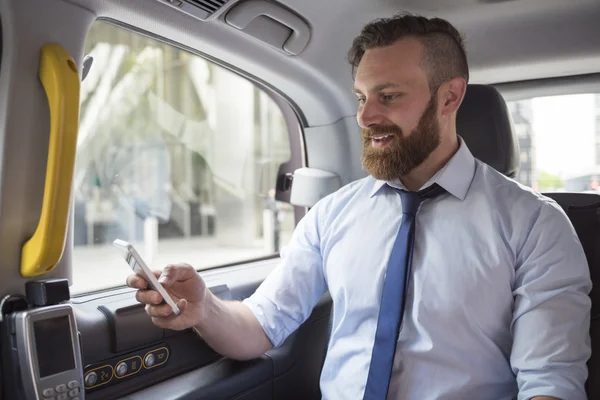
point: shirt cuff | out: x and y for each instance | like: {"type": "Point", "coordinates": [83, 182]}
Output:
{"type": "Point", "coordinates": [564, 388]}
{"type": "Point", "coordinates": [265, 312]}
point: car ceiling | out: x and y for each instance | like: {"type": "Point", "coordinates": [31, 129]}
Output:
{"type": "Point", "coordinates": [507, 41]}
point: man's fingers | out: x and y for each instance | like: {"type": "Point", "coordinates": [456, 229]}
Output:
{"type": "Point", "coordinates": [136, 282]}
{"type": "Point", "coordinates": [163, 317]}
{"type": "Point", "coordinates": [163, 310]}
{"type": "Point", "coordinates": [176, 273]}
{"type": "Point", "coordinates": [148, 297]}
{"type": "Point", "coordinates": [165, 323]}
{"type": "Point", "coordinates": [182, 305]}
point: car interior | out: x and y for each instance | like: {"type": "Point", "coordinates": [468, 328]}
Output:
{"type": "Point", "coordinates": [201, 131]}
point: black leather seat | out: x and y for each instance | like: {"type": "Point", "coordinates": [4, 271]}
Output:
{"type": "Point", "coordinates": [583, 209]}
{"type": "Point", "coordinates": [485, 124]}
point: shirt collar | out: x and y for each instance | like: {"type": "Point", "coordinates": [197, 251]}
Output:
{"type": "Point", "coordinates": [456, 176]}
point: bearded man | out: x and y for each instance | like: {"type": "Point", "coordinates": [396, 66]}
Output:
{"type": "Point", "coordinates": [448, 279]}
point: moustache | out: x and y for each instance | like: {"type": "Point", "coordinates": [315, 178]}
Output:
{"type": "Point", "coordinates": [380, 130]}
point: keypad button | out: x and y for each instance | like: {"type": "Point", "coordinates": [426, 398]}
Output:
{"type": "Point", "coordinates": [98, 376]}
{"type": "Point", "coordinates": [73, 384]}
{"type": "Point", "coordinates": [75, 398]}
{"type": "Point", "coordinates": [73, 392]}
{"type": "Point", "coordinates": [62, 396]}
{"type": "Point", "coordinates": [91, 378]}
{"type": "Point", "coordinates": [149, 360]}
{"type": "Point", "coordinates": [61, 388]}
{"type": "Point", "coordinates": [48, 392]}
{"type": "Point", "coordinates": [121, 369]}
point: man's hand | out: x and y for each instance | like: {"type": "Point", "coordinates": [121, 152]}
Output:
{"type": "Point", "coordinates": [230, 328]}
{"type": "Point", "coordinates": [187, 289]}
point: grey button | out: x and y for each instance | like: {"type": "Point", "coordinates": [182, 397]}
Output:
{"type": "Point", "coordinates": [91, 379]}
{"type": "Point", "coordinates": [149, 360]}
{"type": "Point", "coordinates": [48, 392]}
{"type": "Point", "coordinates": [62, 396]}
{"type": "Point", "coordinates": [61, 388]}
{"type": "Point", "coordinates": [73, 393]}
{"type": "Point", "coordinates": [73, 384]}
{"type": "Point", "coordinates": [75, 398]}
{"type": "Point", "coordinates": [121, 369]}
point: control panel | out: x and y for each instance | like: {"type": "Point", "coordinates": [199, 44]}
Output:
{"type": "Point", "coordinates": [117, 369]}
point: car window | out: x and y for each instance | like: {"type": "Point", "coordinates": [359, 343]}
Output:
{"type": "Point", "coordinates": [178, 156]}
{"type": "Point", "coordinates": [559, 138]}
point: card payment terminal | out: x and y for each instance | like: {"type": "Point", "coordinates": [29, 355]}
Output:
{"type": "Point", "coordinates": [44, 356]}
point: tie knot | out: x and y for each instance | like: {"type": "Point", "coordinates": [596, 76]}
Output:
{"type": "Point", "coordinates": [412, 200]}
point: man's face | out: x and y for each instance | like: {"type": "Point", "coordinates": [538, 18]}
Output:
{"type": "Point", "coordinates": [397, 113]}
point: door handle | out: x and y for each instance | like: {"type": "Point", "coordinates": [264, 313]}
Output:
{"type": "Point", "coordinates": [244, 13]}
{"type": "Point", "coordinates": [59, 76]}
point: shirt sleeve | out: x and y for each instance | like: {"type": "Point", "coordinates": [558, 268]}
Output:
{"type": "Point", "coordinates": [287, 296]}
{"type": "Point", "coordinates": [551, 317]}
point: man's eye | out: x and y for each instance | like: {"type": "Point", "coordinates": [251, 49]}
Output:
{"type": "Point", "coordinates": [388, 97]}
{"type": "Point", "coordinates": [361, 100]}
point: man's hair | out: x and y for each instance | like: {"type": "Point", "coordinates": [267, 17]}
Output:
{"type": "Point", "coordinates": [444, 54]}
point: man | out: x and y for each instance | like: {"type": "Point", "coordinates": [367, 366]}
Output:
{"type": "Point", "coordinates": [486, 297]}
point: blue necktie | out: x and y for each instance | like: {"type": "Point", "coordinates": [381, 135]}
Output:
{"type": "Point", "coordinates": [393, 297]}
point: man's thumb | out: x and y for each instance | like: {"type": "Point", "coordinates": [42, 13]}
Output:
{"type": "Point", "coordinates": [182, 304]}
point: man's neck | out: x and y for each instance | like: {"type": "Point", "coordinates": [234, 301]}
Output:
{"type": "Point", "coordinates": [436, 161]}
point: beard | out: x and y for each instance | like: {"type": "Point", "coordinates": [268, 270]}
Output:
{"type": "Point", "coordinates": [404, 153]}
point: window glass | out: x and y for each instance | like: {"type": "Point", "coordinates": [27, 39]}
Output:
{"type": "Point", "coordinates": [176, 155]}
{"type": "Point", "coordinates": [559, 138]}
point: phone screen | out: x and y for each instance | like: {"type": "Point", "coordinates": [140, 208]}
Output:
{"type": "Point", "coordinates": [132, 262]}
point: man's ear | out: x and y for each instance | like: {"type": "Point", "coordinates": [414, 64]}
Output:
{"type": "Point", "coordinates": [451, 95]}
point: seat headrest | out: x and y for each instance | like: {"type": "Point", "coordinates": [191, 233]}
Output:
{"type": "Point", "coordinates": [485, 124]}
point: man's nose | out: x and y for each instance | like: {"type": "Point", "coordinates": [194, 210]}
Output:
{"type": "Point", "coordinates": [370, 113]}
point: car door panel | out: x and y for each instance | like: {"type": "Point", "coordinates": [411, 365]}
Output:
{"type": "Point", "coordinates": [115, 328]}
{"type": "Point", "coordinates": [223, 379]}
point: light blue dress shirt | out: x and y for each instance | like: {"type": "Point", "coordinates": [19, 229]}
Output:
{"type": "Point", "coordinates": [497, 306]}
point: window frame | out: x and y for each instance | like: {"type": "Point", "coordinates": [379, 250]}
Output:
{"type": "Point", "coordinates": [543, 87]}
{"type": "Point", "coordinates": [295, 124]}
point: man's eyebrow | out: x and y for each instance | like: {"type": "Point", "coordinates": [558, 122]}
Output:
{"type": "Point", "coordinates": [379, 88]}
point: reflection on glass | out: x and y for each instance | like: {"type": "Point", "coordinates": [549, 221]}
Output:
{"type": "Point", "coordinates": [175, 155]}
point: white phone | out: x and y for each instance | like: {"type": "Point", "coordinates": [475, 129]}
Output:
{"type": "Point", "coordinates": [138, 266]}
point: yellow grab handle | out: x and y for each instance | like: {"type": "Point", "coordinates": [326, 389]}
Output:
{"type": "Point", "coordinates": [60, 79]}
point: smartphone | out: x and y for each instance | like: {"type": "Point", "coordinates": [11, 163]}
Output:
{"type": "Point", "coordinates": [138, 266]}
